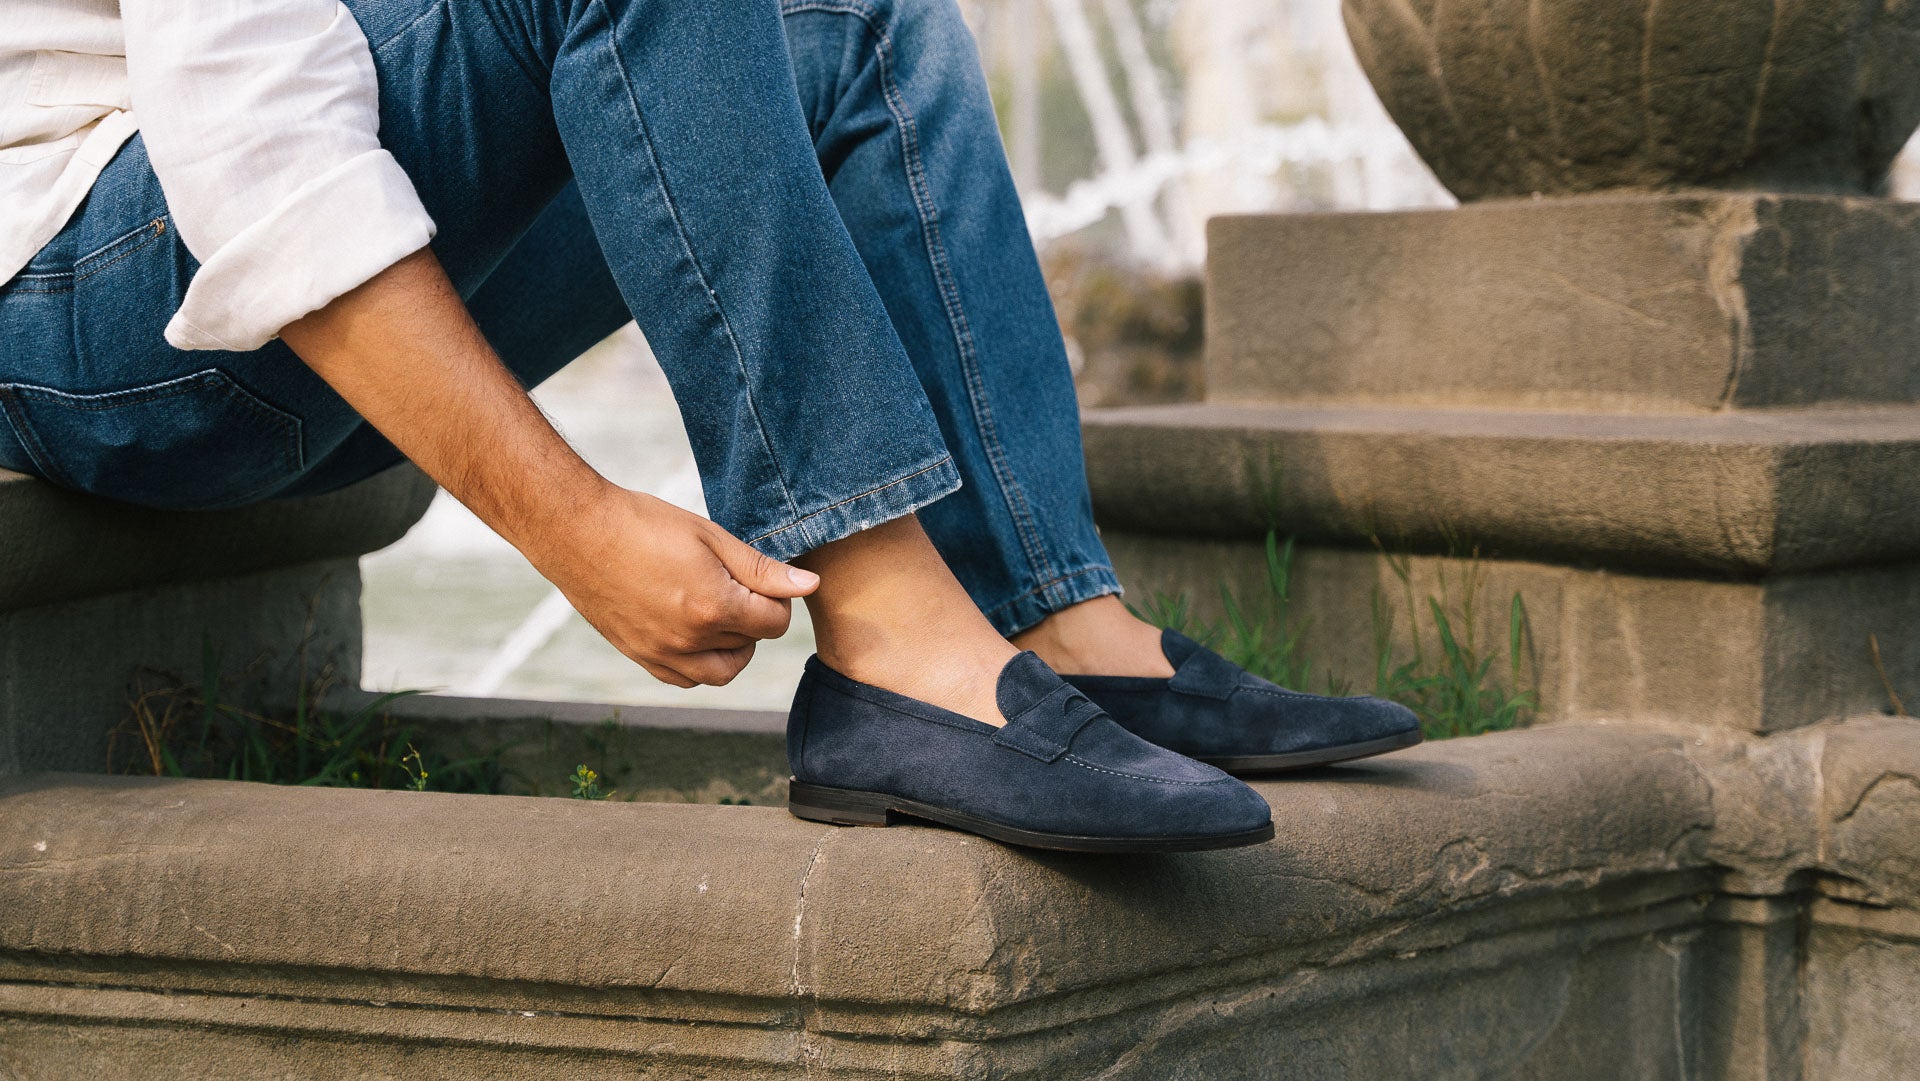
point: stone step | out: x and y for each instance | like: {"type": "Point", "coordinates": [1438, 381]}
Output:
{"type": "Point", "coordinates": [1678, 303]}
{"type": "Point", "coordinates": [1738, 494]}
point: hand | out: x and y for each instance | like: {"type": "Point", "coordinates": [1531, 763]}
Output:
{"type": "Point", "coordinates": [671, 590]}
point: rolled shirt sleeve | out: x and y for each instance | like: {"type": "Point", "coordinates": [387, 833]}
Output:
{"type": "Point", "coordinates": [261, 118]}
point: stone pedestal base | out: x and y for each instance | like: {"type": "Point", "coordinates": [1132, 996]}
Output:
{"type": "Point", "coordinates": [68, 671]}
{"type": "Point", "coordinates": [1676, 303]}
{"type": "Point", "coordinates": [92, 593]}
{"type": "Point", "coordinates": [1599, 645]}
{"type": "Point", "coordinates": [1684, 428]}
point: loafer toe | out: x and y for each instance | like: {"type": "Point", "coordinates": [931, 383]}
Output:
{"type": "Point", "coordinates": [1223, 715]}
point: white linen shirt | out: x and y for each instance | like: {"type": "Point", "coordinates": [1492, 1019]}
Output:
{"type": "Point", "coordinates": [261, 119]}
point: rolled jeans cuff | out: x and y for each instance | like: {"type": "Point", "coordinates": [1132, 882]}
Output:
{"type": "Point", "coordinates": [1063, 591]}
{"type": "Point", "coordinates": [896, 498]}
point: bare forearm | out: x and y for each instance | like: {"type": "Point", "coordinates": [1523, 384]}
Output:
{"type": "Point", "coordinates": [670, 589]}
{"type": "Point", "coordinates": [402, 350]}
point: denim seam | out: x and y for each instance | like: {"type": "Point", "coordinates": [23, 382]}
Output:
{"type": "Point", "coordinates": [154, 230]}
{"type": "Point", "coordinates": [542, 82]}
{"type": "Point", "coordinates": [908, 130]}
{"type": "Point", "coordinates": [411, 23]}
{"type": "Point", "coordinates": [1047, 586]}
{"type": "Point", "coordinates": [12, 394]}
{"type": "Point", "coordinates": [10, 404]}
{"type": "Point", "coordinates": [797, 523]}
{"type": "Point", "coordinates": [686, 245]}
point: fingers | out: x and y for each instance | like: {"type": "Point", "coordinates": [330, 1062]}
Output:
{"type": "Point", "coordinates": [666, 675]}
{"type": "Point", "coordinates": [762, 574]}
{"type": "Point", "coordinates": [714, 667]}
{"type": "Point", "coordinates": [758, 617]}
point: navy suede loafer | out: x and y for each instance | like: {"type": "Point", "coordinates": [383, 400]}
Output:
{"type": "Point", "coordinates": [1060, 775]}
{"type": "Point", "coordinates": [1220, 713]}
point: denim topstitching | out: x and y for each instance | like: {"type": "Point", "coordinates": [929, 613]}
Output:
{"type": "Point", "coordinates": [799, 523]}
{"type": "Point", "coordinates": [67, 279]}
{"type": "Point", "coordinates": [1047, 587]}
{"type": "Point", "coordinates": [1037, 559]}
{"type": "Point", "coordinates": [293, 451]}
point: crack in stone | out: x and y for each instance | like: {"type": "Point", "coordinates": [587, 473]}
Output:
{"type": "Point", "coordinates": [1601, 298]}
{"type": "Point", "coordinates": [1885, 777]}
{"type": "Point", "coordinates": [1760, 82]}
{"type": "Point", "coordinates": [800, 913]}
{"type": "Point", "coordinates": [1734, 226]}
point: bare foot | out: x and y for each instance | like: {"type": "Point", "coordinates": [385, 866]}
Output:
{"type": "Point", "coordinates": [888, 612]}
{"type": "Point", "coordinates": [1097, 638]}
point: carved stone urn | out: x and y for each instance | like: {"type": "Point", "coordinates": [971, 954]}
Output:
{"type": "Point", "coordinates": [1558, 97]}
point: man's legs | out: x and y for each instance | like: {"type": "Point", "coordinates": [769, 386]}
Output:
{"type": "Point", "coordinates": [684, 134]}
{"type": "Point", "coordinates": [898, 112]}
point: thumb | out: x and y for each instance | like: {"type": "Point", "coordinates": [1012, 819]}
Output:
{"type": "Point", "coordinates": [763, 574]}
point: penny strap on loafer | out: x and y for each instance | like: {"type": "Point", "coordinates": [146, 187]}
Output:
{"type": "Point", "coordinates": [1045, 729]}
{"type": "Point", "coordinates": [1205, 674]}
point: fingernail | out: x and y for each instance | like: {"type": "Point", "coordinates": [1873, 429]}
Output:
{"type": "Point", "coordinates": [803, 579]}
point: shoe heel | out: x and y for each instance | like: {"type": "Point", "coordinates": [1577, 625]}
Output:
{"type": "Point", "coordinates": [837, 806]}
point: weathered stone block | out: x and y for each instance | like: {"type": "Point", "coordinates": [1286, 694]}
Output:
{"type": "Point", "coordinates": [1863, 989]}
{"type": "Point", "coordinates": [1544, 905]}
{"type": "Point", "coordinates": [68, 670]}
{"type": "Point", "coordinates": [1671, 303]}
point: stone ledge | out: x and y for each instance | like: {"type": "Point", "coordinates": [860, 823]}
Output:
{"type": "Point", "coordinates": [1682, 302]}
{"type": "Point", "coordinates": [1731, 494]}
{"type": "Point", "coordinates": [1534, 874]}
{"type": "Point", "coordinates": [63, 546]}
{"type": "Point", "coordinates": [1442, 826]}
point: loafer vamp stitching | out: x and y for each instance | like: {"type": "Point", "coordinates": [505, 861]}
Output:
{"type": "Point", "coordinates": [1078, 761]}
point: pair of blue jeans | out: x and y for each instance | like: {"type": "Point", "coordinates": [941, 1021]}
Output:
{"type": "Point", "coordinates": [804, 204]}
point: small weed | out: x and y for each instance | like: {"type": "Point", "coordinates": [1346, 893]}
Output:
{"type": "Point", "coordinates": [1457, 689]}
{"type": "Point", "coordinates": [416, 769]}
{"type": "Point", "coordinates": [586, 785]}
{"type": "Point", "coordinates": [199, 730]}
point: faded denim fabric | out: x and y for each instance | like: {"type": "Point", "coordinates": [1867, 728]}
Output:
{"type": "Point", "coordinates": [804, 204]}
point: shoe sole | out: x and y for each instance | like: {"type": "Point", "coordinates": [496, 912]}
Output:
{"type": "Point", "coordinates": [850, 807]}
{"type": "Point", "coordinates": [1325, 756]}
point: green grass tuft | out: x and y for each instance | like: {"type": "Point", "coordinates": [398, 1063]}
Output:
{"type": "Point", "coordinates": [1455, 687]}
{"type": "Point", "coordinates": [181, 729]}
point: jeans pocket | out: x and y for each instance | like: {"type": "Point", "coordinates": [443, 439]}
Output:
{"type": "Point", "coordinates": [196, 442]}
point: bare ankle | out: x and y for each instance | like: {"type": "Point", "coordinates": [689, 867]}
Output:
{"type": "Point", "coordinates": [1097, 637]}
{"type": "Point", "coordinates": [889, 612]}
